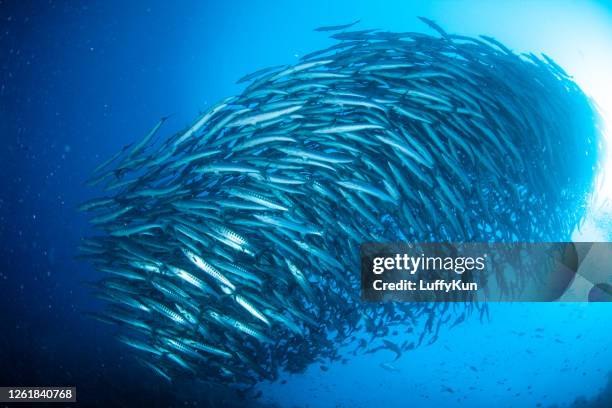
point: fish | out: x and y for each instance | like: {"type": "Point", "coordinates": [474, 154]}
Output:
{"type": "Point", "coordinates": [348, 128]}
{"type": "Point", "coordinates": [209, 270]}
{"type": "Point", "coordinates": [157, 370]}
{"type": "Point", "coordinates": [193, 129]}
{"type": "Point", "coordinates": [365, 188]}
{"type": "Point", "coordinates": [263, 117]}
{"type": "Point", "coordinates": [103, 219]}
{"type": "Point", "coordinates": [134, 230]}
{"type": "Point", "coordinates": [257, 73]}
{"type": "Point", "coordinates": [145, 141]}
{"type": "Point", "coordinates": [393, 347]}
{"type": "Point", "coordinates": [432, 24]}
{"type": "Point", "coordinates": [337, 27]}
{"type": "Point", "coordinates": [229, 251]}
{"type": "Point", "coordinates": [315, 155]}
{"type": "Point", "coordinates": [390, 367]}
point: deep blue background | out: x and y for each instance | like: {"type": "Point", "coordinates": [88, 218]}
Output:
{"type": "Point", "coordinates": [78, 81]}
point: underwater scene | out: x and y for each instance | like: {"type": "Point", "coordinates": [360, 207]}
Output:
{"type": "Point", "coordinates": [306, 204]}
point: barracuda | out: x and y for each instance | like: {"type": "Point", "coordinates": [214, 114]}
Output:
{"type": "Point", "coordinates": [209, 269]}
{"type": "Point", "coordinates": [230, 249]}
{"type": "Point", "coordinates": [257, 199]}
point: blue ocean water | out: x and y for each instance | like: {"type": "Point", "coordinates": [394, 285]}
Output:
{"type": "Point", "coordinates": [79, 80]}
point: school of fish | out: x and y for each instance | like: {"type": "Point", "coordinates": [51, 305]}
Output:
{"type": "Point", "coordinates": [231, 248]}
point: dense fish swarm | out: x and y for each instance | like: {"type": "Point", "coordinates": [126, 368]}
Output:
{"type": "Point", "coordinates": [231, 247]}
